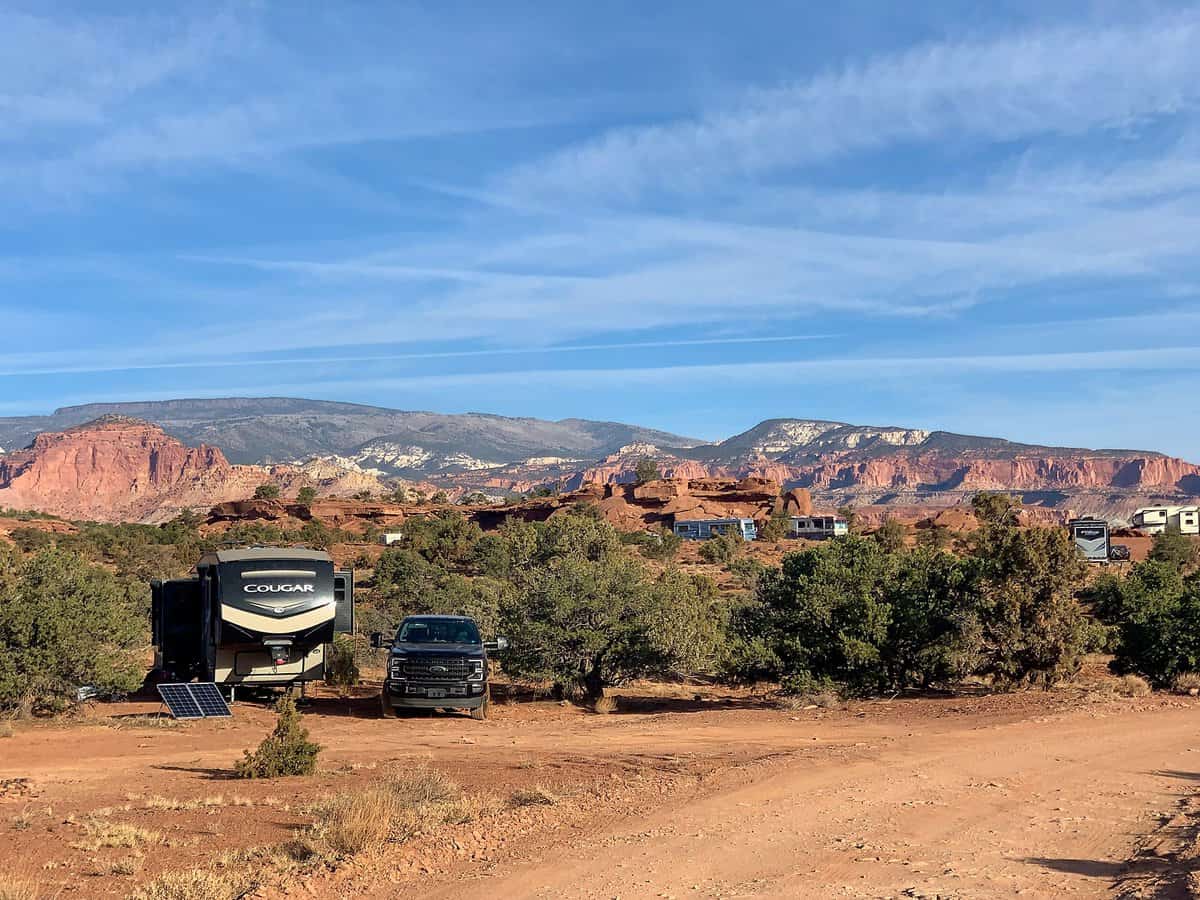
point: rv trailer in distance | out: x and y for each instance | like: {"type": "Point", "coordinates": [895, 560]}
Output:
{"type": "Point", "coordinates": [703, 529]}
{"type": "Point", "coordinates": [1091, 537]}
{"type": "Point", "coordinates": [1157, 519]}
{"type": "Point", "coordinates": [258, 617]}
{"type": "Point", "coordinates": [817, 528]}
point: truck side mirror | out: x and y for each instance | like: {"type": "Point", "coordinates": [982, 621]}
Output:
{"type": "Point", "coordinates": [376, 640]}
{"type": "Point", "coordinates": [500, 643]}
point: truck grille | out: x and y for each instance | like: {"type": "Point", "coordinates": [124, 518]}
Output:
{"type": "Point", "coordinates": [433, 668]}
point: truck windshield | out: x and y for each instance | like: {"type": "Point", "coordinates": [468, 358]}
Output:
{"type": "Point", "coordinates": [438, 631]}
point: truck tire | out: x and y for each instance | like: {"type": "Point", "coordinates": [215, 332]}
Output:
{"type": "Point", "coordinates": [480, 712]}
{"type": "Point", "coordinates": [385, 705]}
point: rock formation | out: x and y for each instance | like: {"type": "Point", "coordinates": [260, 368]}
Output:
{"type": "Point", "coordinates": [121, 469]}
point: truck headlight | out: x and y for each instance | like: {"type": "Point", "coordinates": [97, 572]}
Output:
{"type": "Point", "coordinates": [476, 670]}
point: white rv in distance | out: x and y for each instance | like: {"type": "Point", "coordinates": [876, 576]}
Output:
{"type": "Point", "coordinates": [1157, 519]}
{"type": "Point", "coordinates": [818, 528]}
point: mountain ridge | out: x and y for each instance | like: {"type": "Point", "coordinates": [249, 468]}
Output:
{"type": "Point", "coordinates": [466, 452]}
{"type": "Point", "coordinates": [283, 429]}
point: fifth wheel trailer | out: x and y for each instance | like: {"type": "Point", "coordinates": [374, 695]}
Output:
{"type": "Point", "coordinates": [1091, 538]}
{"type": "Point", "coordinates": [260, 617]}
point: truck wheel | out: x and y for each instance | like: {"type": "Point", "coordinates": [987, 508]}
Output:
{"type": "Point", "coordinates": [480, 712]}
{"type": "Point", "coordinates": [385, 705]}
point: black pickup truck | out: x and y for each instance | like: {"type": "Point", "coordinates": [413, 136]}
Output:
{"type": "Point", "coordinates": [437, 662]}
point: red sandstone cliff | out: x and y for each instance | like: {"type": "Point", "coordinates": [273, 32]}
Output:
{"type": "Point", "coordinates": [927, 471]}
{"type": "Point", "coordinates": [118, 469]}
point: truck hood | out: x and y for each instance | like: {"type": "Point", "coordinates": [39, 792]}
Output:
{"type": "Point", "coordinates": [446, 649]}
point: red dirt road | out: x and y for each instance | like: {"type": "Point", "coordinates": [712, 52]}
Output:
{"type": "Point", "coordinates": [1040, 795]}
{"type": "Point", "coordinates": [1051, 807]}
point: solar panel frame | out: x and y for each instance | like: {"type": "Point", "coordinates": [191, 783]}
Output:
{"type": "Point", "coordinates": [179, 701]}
{"type": "Point", "coordinates": [194, 701]}
{"type": "Point", "coordinates": [208, 698]}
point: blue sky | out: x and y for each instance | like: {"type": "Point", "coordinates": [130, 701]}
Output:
{"type": "Point", "coordinates": [978, 217]}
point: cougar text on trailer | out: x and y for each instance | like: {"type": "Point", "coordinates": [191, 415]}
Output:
{"type": "Point", "coordinates": [258, 617]}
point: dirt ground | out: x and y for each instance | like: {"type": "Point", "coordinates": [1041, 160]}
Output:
{"type": "Point", "coordinates": [722, 794]}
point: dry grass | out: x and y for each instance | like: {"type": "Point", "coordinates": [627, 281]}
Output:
{"type": "Point", "coordinates": [819, 700]}
{"type": "Point", "coordinates": [196, 884]}
{"type": "Point", "coordinates": [393, 809]}
{"type": "Point", "coordinates": [422, 786]}
{"type": "Point", "coordinates": [468, 809]}
{"type": "Point", "coordinates": [18, 887]}
{"type": "Point", "coordinates": [234, 874]}
{"type": "Point", "coordinates": [534, 796]}
{"type": "Point", "coordinates": [6, 729]}
{"type": "Point", "coordinates": [128, 865]}
{"type": "Point", "coordinates": [214, 800]}
{"type": "Point", "coordinates": [605, 705]}
{"type": "Point", "coordinates": [147, 721]}
{"type": "Point", "coordinates": [115, 834]}
{"type": "Point", "coordinates": [104, 812]}
{"type": "Point", "coordinates": [1132, 686]}
{"type": "Point", "coordinates": [354, 823]}
{"type": "Point", "coordinates": [1187, 683]}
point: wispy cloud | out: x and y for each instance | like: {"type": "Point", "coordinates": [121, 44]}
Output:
{"type": "Point", "coordinates": [416, 202]}
{"type": "Point", "coordinates": [56, 363]}
{"type": "Point", "coordinates": [1062, 81]}
{"type": "Point", "coordinates": [88, 101]}
{"type": "Point", "coordinates": [841, 370]}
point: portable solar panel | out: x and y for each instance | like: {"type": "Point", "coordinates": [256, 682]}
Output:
{"type": "Point", "coordinates": [194, 701]}
{"type": "Point", "coordinates": [208, 698]}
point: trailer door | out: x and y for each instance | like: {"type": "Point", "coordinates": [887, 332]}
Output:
{"type": "Point", "coordinates": [179, 611]}
{"type": "Point", "coordinates": [343, 597]}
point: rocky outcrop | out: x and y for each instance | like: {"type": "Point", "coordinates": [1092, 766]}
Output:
{"type": "Point", "coordinates": [637, 507]}
{"type": "Point", "coordinates": [117, 468]}
{"type": "Point", "coordinates": [796, 502]}
{"type": "Point", "coordinates": [856, 477]}
{"type": "Point", "coordinates": [120, 469]}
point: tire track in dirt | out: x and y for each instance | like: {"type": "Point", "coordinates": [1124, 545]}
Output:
{"type": "Point", "coordinates": [1044, 808]}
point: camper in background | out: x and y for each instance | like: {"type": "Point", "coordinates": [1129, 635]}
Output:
{"type": "Point", "coordinates": [818, 528]}
{"type": "Point", "coordinates": [1157, 519]}
{"type": "Point", "coordinates": [703, 529]}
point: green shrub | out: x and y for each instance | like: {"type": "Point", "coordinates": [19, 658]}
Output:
{"type": "Point", "coordinates": [445, 538]}
{"type": "Point", "coordinates": [1030, 622]}
{"type": "Point", "coordinates": [661, 544]}
{"type": "Point", "coordinates": [341, 669]}
{"type": "Point", "coordinates": [870, 620]}
{"type": "Point", "coordinates": [306, 495]}
{"type": "Point", "coordinates": [891, 535]}
{"type": "Point", "coordinates": [1158, 616]}
{"type": "Point", "coordinates": [724, 548]}
{"type": "Point", "coordinates": [747, 571]}
{"type": "Point", "coordinates": [286, 751]}
{"type": "Point", "coordinates": [266, 491]}
{"type": "Point", "coordinates": [804, 684]}
{"type": "Point", "coordinates": [581, 623]}
{"type": "Point", "coordinates": [646, 470]}
{"type": "Point", "coordinates": [851, 613]}
{"type": "Point", "coordinates": [776, 528]}
{"type": "Point", "coordinates": [935, 537]}
{"type": "Point", "coordinates": [1180, 551]}
{"type": "Point", "coordinates": [688, 624]}
{"type": "Point", "coordinates": [65, 623]}
{"type": "Point", "coordinates": [584, 614]}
